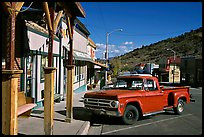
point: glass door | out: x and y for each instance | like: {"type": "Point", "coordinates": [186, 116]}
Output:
{"type": "Point", "coordinates": [29, 69]}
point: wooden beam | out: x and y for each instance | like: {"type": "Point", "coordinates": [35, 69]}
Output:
{"type": "Point", "coordinates": [7, 7]}
{"type": "Point", "coordinates": [68, 13]}
{"type": "Point", "coordinates": [80, 8]}
{"type": "Point", "coordinates": [18, 7]}
{"type": "Point", "coordinates": [51, 38]}
{"type": "Point", "coordinates": [66, 10]}
{"type": "Point", "coordinates": [71, 32]}
{"type": "Point", "coordinates": [10, 38]}
{"type": "Point", "coordinates": [57, 19]}
{"type": "Point", "coordinates": [69, 27]}
{"type": "Point", "coordinates": [72, 9]}
{"type": "Point", "coordinates": [7, 4]}
{"type": "Point", "coordinates": [47, 13]}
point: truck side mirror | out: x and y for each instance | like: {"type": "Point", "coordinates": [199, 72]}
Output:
{"type": "Point", "coordinates": [161, 86]}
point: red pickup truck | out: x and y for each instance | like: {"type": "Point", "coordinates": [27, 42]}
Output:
{"type": "Point", "coordinates": [134, 96]}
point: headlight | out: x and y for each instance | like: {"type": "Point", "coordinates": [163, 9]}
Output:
{"type": "Point", "coordinates": [114, 104]}
{"type": "Point", "coordinates": [85, 100]}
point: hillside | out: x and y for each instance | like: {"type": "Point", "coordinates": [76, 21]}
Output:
{"type": "Point", "coordinates": [187, 44]}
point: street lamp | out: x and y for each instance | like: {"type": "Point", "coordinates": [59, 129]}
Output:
{"type": "Point", "coordinates": [174, 62]}
{"type": "Point", "coordinates": [107, 34]}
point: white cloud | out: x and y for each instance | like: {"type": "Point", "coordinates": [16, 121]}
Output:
{"type": "Point", "coordinates": [98, 50]}
{"type": "Point", "coordinates": [123, 47]}
{"type": "Point", "coordinates": [111, 46]}
{"type": "Point", "coordinates": [117, 51]}
{"type": "Point", "coordinates": [128, 43]}
{"type": "Point", "coordinates": [100, 46]}
{"type": "Point", "coordinates": [113, 50]}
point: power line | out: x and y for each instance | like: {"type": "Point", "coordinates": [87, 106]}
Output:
{"type": "Point", "coordinates": [25, 9]}
{"type": "Point", "coordinates": [92, 27]}
{"type": "Point", "coordinates": [102, 17]}
{"type": "Point", "coordinates": [150, 34]}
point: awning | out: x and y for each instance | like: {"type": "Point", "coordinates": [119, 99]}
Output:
{"type": "Point", "coordinates": [87, 58]}
{"type": "Point", "coordinates": [81, 56]}
{"type": "Point", "coordinates": [99, 64]}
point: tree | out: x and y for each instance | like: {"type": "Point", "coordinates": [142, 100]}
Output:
{"type": "Point", "coordinates": [116, 66]}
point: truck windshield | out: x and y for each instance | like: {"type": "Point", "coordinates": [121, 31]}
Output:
{"type": "Point", "coordinates": [129, 84]}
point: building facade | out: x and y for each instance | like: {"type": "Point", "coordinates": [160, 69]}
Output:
{"type": "Point", "coordinates": [35, 61]}
{"type": "Point", "coordinates": [191, 71]}
{"type": "Point", "coordinates": [169, 71]}
{"type": "Point", "coordinates": [32, 41]}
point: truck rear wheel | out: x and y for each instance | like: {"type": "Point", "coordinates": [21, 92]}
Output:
{"type": "Point", "coordinates": [179, 108]}
{"type": "Point", "coordinates": [131, 115]}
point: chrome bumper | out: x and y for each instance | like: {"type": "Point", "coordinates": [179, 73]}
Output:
{"type": "Point", "coordinates": [104, 112]}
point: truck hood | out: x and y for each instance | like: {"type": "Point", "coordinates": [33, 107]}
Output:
{"type": "Point", "coordinates": [113, 94]}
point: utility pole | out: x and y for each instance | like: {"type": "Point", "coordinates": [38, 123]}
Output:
{"type": "Point", "coordinates": [106, 55]}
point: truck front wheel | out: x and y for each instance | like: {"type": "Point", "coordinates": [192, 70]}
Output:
{"type": "Point", "coordinates": [131, 115]}
{"type": "Point", "coordinates": [180, 107]}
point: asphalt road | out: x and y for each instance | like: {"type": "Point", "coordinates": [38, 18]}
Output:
{"type": "Point", "coordinates": [189, 123]}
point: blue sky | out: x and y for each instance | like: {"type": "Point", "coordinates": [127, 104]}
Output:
{"type": "Point", "coordinates": [143, 23]}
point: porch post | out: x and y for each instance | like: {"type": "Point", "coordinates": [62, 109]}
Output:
{"type": "Point", "coordinates": [10, 76]}
{"type": "Point", "coordinates": [10, 101]}
{"type": "Point", "coordinates": [70, 72]}
{"type": "Point", "coordinates": [69, 95]}
{"type": "Point", "coordinates": [49, 72]}
{"type": "Point", "coordinates": [10, 37]}
{"type": "Point", "coordinates": [49, 100]}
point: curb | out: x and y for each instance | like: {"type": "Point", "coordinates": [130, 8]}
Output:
{"type": "Point", "coordinates": [84, 129]}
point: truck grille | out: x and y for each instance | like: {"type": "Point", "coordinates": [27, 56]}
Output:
{"type": "Point", "coordinates": [88, 102]}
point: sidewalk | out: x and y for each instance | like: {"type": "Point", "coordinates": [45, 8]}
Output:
{"type": "Point", "coordinates": [34, 125]}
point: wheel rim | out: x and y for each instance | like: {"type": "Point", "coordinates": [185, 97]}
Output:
{"type": "Point", "coordinates": [130, 115]}
{"type": "Point", "coordinates": [180, 107]}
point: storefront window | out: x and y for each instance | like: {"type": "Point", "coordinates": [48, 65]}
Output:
{"type": "Point", "coordinates": [76, 74]}
{"type": "Point", "coordinates": [44, 63]}
{"type": "Point", "coordinates": [29, 75]}
{"type": "Point", "coordinates": [82, 73]}
{"type": "Point", "coordinates": [79, 73]}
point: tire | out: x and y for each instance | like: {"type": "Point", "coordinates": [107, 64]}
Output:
{"type": "Point", "coordinates": [131, 115]}
{"type": "Point", "coordinates": [179, 108]}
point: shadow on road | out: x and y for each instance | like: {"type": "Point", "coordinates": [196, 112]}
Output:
{"type": "Point", "coordinates": [108, 120]}
{"type": "Point", "coordinates": [79, 113]}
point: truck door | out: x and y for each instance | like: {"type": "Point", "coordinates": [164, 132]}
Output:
{"type": "Point", "coordinates": [153, 96]}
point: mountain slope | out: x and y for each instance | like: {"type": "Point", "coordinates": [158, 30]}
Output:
{"type": "Point", "coordinates": [187, 44]}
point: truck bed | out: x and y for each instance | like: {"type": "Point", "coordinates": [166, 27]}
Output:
{"type": "Point", "coordinates": [165, 88]}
